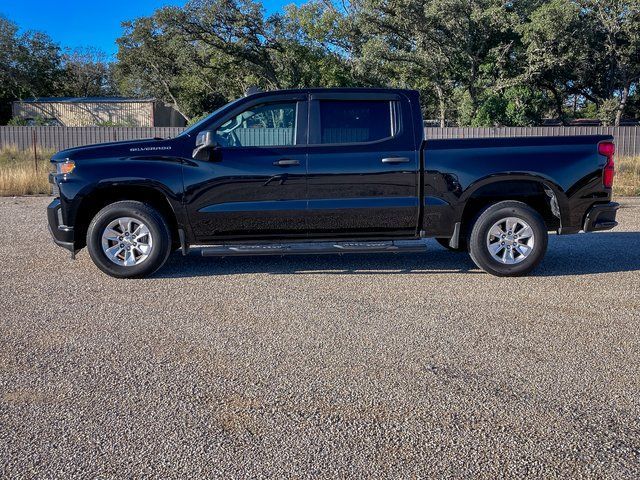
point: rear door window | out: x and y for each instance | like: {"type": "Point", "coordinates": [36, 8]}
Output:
{"type": "Point", "coordinates": [357, 121]}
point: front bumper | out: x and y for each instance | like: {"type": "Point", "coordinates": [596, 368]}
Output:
{"type": "Point", "coordinates": [63, 235]}
{"type": "Point", "coordinates": [601, 217]}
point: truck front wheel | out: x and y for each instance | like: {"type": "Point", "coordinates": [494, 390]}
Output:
{"type": "Point", "coordinates": [508, 239]}
{"type": "Point", "coordinates": [128, 239]}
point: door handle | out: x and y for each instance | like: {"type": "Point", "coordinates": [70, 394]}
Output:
{"type": "Point", "coordinates": [396, 160]}
{"type": "Point", "coordinates": [285, 162]}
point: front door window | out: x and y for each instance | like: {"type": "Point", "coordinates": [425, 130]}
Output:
{"type": "Point", "coordinates": [267, 125]}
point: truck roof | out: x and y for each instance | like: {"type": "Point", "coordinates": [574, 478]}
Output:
{"type": "Point", "coordinates": [337, 90]}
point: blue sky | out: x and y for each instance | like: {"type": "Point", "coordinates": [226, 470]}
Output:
{"type": "Point", "coordinates": [88, 23]}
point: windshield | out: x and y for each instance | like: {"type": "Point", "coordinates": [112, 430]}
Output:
{"type": "Point", "coordinates": [201, 123]}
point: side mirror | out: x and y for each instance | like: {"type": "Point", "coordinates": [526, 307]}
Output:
{"type": "Point", "coordinates": [205, 142]}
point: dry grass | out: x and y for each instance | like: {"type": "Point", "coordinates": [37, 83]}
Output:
{"type": "Point", "coordinates": [627, 181]}
{"type": "Point", "coordinates": [18, 175]}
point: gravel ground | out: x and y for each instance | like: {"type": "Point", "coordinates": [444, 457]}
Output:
{"type": "Point", "coordinates": [355, 366]}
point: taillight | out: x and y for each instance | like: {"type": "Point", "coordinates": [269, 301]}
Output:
{"type": "Point", "coordinates": [608, 149]}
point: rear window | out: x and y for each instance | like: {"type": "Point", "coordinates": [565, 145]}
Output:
{"type": "Point", "coordinates": [353, 121]}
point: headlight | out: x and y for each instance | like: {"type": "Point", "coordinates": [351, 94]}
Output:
{"type": "Point", "coordinates": [65, 167]}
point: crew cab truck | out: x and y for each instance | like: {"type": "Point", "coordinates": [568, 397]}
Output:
{"type": "Point", "coordinates": [327, 171]}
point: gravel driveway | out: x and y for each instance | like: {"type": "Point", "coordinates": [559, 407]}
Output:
{"type": "Point", "coordinates": [356, 366]}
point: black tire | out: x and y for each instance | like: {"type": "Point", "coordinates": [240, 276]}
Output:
{"type": "Point", "coordinates": [462, 244]}
{"type": "Point", "coordinates": [478, 239]}
{"type": "Point", "coordinates": [154, 221]}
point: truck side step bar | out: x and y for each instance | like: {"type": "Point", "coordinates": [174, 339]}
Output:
{"type": "Point", "coordinates": [397, 246]}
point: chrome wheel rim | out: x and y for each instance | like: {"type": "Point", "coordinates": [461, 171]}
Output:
{"type": "Point", "coordinates": [127, 241]}
{"type": "Point", "coordinates": [510, 240]}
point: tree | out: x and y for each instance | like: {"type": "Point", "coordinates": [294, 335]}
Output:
{"type": "Point", "coordinates": [475, 62]}
{"type": "Point", "coordinates": [30, 66]}
{"type": "Point", "coordinates": [154, 61]}
{"type": "Point", "coordinates": [437, 46]}
{"type": "Point", "coordinates": [401, 45]}
{"type": "Point", "coordinates": [586, 49]}
{"type": "Point", "coordinates": [616, 51]}
{"type": "Point", "coordinates": [555, 55]}
{"type": "Point", "coordinates": [209, 51]}
{"type": "Point", "coordinates": [512, 107]}
{"type": "Point", "coordinates": [334, 29]}
{"type": "Point", "coordinates": [88, 73]}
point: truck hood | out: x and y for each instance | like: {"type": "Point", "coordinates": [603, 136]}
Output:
{"type": "Point", "coordinates": [124, 149]}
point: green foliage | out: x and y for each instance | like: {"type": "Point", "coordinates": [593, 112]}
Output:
{"type": "Point", "coordinates": [491, 112]}
{"type": "Point", "coordinates": [607, 112]}
{"type": "Point", "coordinates": [525, 106]}
{"type": "Point", "coordinates": [88, 73]}
{"type": "Point", "coordinates": [211, 51]}
{"type": "Point", "coordinates": [110, 123]}
{"type": "Point", "coordinates": [515, 106]}
{"type": "Point", "coordinates": [475, 62]}
{"type": "Point", "coordinates": [32, 122]}
{"type": "Point", "coordinates": [590, 111]}
{"type": "Point", "coordinates": [196, 119]}
{"type": "Point", "coordinates": [466, 109]}
{"type": "Point", "coordinates": [30, 66]}
{"type": "Point", "coordinates": [18, 122]}
{"type": "Point", "coordinates": [585, 48]}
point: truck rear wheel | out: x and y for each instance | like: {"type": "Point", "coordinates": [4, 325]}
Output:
{"type": "Point", "coordinates": [128, 239]}
{"type": "Point", "coordinates": [508, 239]}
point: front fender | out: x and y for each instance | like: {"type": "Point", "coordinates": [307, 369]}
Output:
{"type": "Point", "coordinates": [97, 178]}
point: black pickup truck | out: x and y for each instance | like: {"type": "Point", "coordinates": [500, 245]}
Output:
{"type": "Point", "coordinates": [327, 170]}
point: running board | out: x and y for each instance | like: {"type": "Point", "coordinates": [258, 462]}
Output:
{"type": "Point", "coordinates": [398, 246]}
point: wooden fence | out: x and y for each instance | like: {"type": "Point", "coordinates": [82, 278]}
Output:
{"type": "Point", "coordinates": [58, 138]}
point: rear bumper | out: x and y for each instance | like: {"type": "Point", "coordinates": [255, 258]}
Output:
{"type": "Point", "coordinates": [63, 235]}
{"type": "Point", "coordinates": [601, 217]}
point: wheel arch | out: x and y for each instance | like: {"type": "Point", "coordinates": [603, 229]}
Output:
{"type": "Point", "coordinates": [105, 194]}
{"type": "Point", "coordinates": [540, 193]}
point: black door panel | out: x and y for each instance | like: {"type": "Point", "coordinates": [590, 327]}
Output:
{"type": "Point", "coordinates": [255, 183]}
{"type": "Point", "coordinates": [354, 192]}
{"type": "Point", "coordinates": [245, 194]}
{"type": "Point", "coordinates": [363, 168]}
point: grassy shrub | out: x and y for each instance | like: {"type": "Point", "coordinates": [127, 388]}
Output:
{"type": "Point", "coordinates": [627, 181]}
{"type": "Point", "coordinates": [18, 174]}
